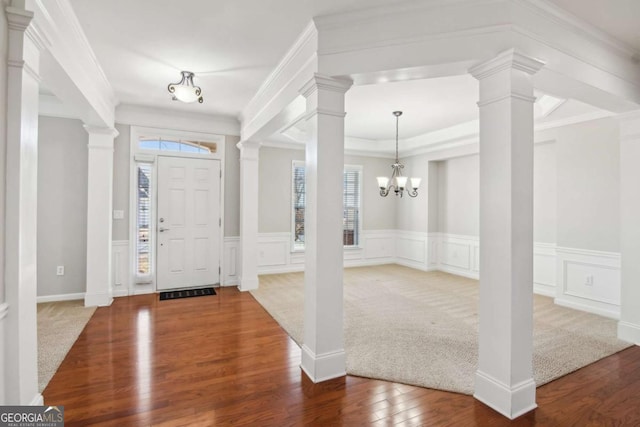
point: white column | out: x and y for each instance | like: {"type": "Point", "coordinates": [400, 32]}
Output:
{"type": "Point", "coordinates": [323, 354]}
{"type": "Point", "coordinates": [249, 156]}
{"type": "Point", "coordinates": [20, 344]}
{"type": "Point", "coordinates": [504, 380]}
{"type": "Point", "coordinates": [629, 324]}
{"type": "Point", "coordinates": [99, 212]}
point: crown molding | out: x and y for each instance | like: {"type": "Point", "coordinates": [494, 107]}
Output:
{"type": "Point", "coordinates": [579, 27]}
{"type": "Point", "coordinates": [282, 70]}
{"type": "Point", "coordinates": [506, 60]}
{"type": "Point", "coordinates": [57, 28]}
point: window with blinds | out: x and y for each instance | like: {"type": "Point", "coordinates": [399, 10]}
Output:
{"type": "Point", "coordinates": [351, 205]}
{"type": "Point", "coordinates": [143, 219]}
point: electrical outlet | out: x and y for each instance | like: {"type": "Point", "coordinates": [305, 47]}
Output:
{"type": "Point", "coordinates": [589, 280]}
{"type": "Point", "coordinates": [60, 270]}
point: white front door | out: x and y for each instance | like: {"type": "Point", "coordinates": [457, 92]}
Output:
{"type": "Point", "coordinates": [188, 223]}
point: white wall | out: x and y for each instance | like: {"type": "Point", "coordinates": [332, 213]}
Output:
{"type": "Point", "coordinates": [458, 191]}
{"type": "Point", "coordinates": [412, 213]}
{"type": "Point", "coordinates": [545, 191]}
{"type": "Point", "coordinates": [232, 187]}
{"type": "Point", "coordinates": [62, 206]}
{"type": "Point", "coordinates": [121, 170]}
{"type": "Point", "coordinates": [588, 196]}
{"type": "Point", "coordinates": [459, 196]}
{"type": "Point", "coordinates": [275, 200]}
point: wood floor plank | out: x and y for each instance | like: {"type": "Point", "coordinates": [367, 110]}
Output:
{"type": "Point", "coordinates": [223, 360]}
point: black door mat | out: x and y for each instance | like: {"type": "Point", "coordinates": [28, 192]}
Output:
{"type": "Point", "coordinates": [187, 293]}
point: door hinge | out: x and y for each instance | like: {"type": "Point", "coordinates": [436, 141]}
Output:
{"type": "Point", "coordinates": [219, 222]}
{"type": "Point", "coordinates": [219, 270]}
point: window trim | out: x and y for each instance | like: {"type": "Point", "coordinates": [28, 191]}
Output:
{"type": "Point", "coordinates": [347, 167]}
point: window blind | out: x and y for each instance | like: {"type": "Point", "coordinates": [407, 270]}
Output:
{"type": "Point", "coordinates": [143, 218]}
{"type": "Point", "coordinates": [351, 206]}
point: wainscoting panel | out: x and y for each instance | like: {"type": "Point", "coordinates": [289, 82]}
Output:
{"type": "Point", "coordinates": [411, 249]}
{"type": "Point", "coordinates": [582, 279]}
{"type": "Point", "coordinates": [380, 245]}
{"type": "Point", "coordinates": [272, 250]}
{"type": "Point", "coordinates": [459, 254]}
{"type": "Point", "coordinates": [230, 260]}
{"type": "Point", "coordinates": [589, 280]}
{"type": "Point", "coordinates": [120, 268]}
{"type": "Point", "coordinates": [544, 269]}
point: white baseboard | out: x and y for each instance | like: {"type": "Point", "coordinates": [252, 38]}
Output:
{"type": "Point", "coordinates": [510, 401]}
{"type": "Point", "coordinates": [629, 332]}
{"type": "Point", "coordinates": [38, 400]}
{"type": "Point", "coordinates": [323, 367]}
{"type": "Point", "coordinates": [61, 297]}
{"type": "Point", "coordinates": [545, 290]}
{"type": "Point", "coordinates": [558, 272]}
{"type": "Point", "coordinates": [595, 307]}
{"type": "Point", "coordinates": [98, 299]}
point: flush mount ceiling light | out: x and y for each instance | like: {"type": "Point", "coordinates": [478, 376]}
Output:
{"type": "Point", "coordinates": [397, 182]}
{"type": "Point", "coordinates": [185, 90]}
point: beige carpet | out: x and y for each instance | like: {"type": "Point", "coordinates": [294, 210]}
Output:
{"type": "Point", "coordinates": [421, 328]}
{"type": "Point", "coordinates": [59, 325]}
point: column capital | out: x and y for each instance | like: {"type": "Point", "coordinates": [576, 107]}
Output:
{"type": "Point", "coordinates": [508, 59]}
{"type": "Point", "coordinates": [18, 19]}
{"type": "Point", "coordinates": [100, 138]}
{"type": "Point", "coordinates": [101, 130]}
{"type": "Point", "coordinates": [320, 82]}
{"type": "Point", "coordinates": [249, 145]}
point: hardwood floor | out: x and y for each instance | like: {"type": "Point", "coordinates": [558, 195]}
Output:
{"type": "Point", "coordinates": [223, 360]}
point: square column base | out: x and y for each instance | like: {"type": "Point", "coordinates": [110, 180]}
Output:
{"type": "Point", "coordinates": [97, 299]}
{"type": "Point", "coordinates": [629, 332]}
{"type": "Point", "coordinates": [509, 401]}
{"type": "Point", "coordinates": [248, 284]}
{"type": "Point", "coordinates": [323, 367]}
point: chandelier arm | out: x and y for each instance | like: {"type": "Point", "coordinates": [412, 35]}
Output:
{"type": "Point", "coordinates": [412, 193]}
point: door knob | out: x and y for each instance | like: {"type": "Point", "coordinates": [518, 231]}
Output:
{"type": "Point", "coordinates": [162, 229]}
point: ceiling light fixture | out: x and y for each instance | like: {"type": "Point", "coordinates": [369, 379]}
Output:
{"type": "Point", "coordinates": [185, 90]}
{"type": "Point", "coordinates": [398, 182]}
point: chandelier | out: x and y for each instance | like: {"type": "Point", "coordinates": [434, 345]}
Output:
{"type": "Point", "coordinates": [398, 182]}
{"type": "Point", "coordinates": [185, 90]}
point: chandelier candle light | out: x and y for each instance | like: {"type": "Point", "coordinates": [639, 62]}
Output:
{"type": "Point", "coordinates": [398, 182]}
{"type": "Point", "coordinates": [185, 90]}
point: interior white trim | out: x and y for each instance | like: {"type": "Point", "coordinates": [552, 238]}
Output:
{"type": "Point", "coordinates": [629, 332]}
{"type": "Point", "coordinates": [38, 400]}
{"type": "Point", "coordinates": [589, 280]}
{"type": "Point", "coordinates": [61, 297]}
{"type": "Point", "coordinates": [323, 367]}
{"type": "Point", "coordinates": [147, 284]}
{"type": "Point", "coordinates": [138, 115]}
{"type": "Point", "coordinates": [509, 401]}
{"type": "Point", "coordinates": [4, 309]}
